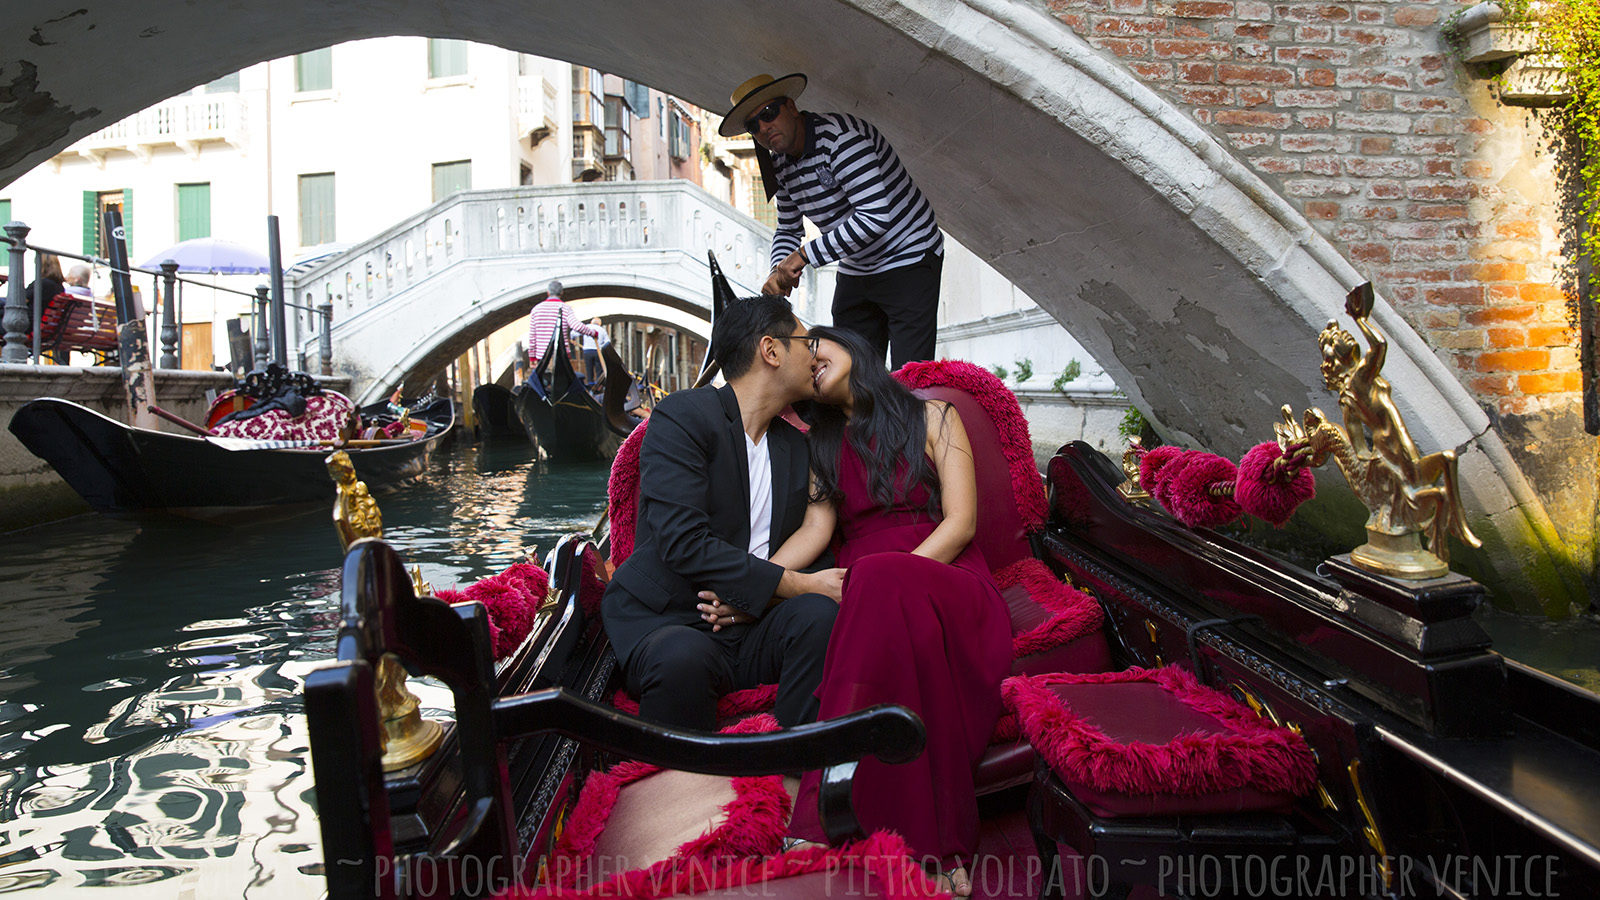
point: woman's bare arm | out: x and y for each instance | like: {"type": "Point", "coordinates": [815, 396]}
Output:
{"type": "Point", "coordinates": [811, 538]}
{"type": "Point", "coordinates": [958, 487]}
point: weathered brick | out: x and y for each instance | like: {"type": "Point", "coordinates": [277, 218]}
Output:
{"type": "Point", "coordinates": [1367, 15]}
{"type": "Point", "coordinates": [1316, 121]}
{"type": "Point", "coordinates": [1166, 48]}
{"type": "Point", "coordinates": [1373, 37]}
{"type": "Point", "coordinates": [1442, 318]}
{"type": "Point", "coordinates": [1277, 165]}
{"type": "Point", "coordinates": [1235, 73]}
{"type": "Point", "coordinates": [1376, 146]}
{"type": "Point", "coordinates": [1249, 140]}
{"type": "Point", "coordinates": [1534, 292]}
{"type": "Point", "coordinates": [1253, 118]}
{"type": "Point", "coordinates": [1505, 295]}
{"type": "Point", "coordinates": [1466, 339]}
{"type": "Point", "coordinates": [1119, 26]}
{"type": "Point", "coordinates": [1313, 34]}
{"type": "Point", "coordinates": [1324, 165]}
{"type": "Point", "coordinates": [1306, 99]}
{"type": "Point", "coordinates": [1421, 275]}
{"type": "Point", "coordinates": [1322, 209]}
{"type": "Point", "coordinates": [1202, 9]}
{"type": "Point", "coordinates": [1203, 95]}
{"type": "Point", "coordinates": [1501, 271]}
{"type": "Point", "coordinates": [1410, 231]}
{"type": "Point", "coordinates": [1152, 71]}
{"type": "Point", "coordinates": [1549, 335]}
{"type": "Point", "coordinates": [1519, 229]}
{"type": "Point", "coordinates": [1385, 190]}
{"type": "Point", "coordinates": [1493, 385]}
{"type": "Point", "coordinates": [1255, 10]}
{"type": "Point", "coordinates": [1333, 56]}
{"type": "Point", "coordinates": [1378, 253]}
{"type": "Point", "coordinates": [1424, 146]}
{"type": "Point", "coordinates": [1463, 295]}
{"type": "Point", "coordinates": [1493, 315]}
{"type": "Point", "coordinates": [1441, 190]}
{"type": "Point", "coordinates": [1129, 6]}
{"type": "Point", "coordinates": [1313, 12]}
{"type": "Point", "coordinates": [1513, 361]}
{"type": "Point", "coordinates": [1477, 168]}
{"type": "Point", "coordinates": [1318, 77]}
{"type": "Point", "coordinates": [1374, 101]}
{"type": "Point", "coordinates": [1317, 187]}
{"type": "Point", "coordinates": [1439, 167]}
{"type": "Point", "coordinates": [1126, 48]}
{"type": "Point", "coordinates": [1259, 32]}
{"type": "Point", "coordinates": [1506, 338]}
{"type": "Point", "coordinates": [1361, 77]}
{"type": "Point", "coordinates": [1392, 123]}
{"type": "Point", "coordinates": [1425, 250]}
{"type": "Point", "coordinates": [1382, 167]}
{"type": "Point", "coordinates": [1197, 72]}
{"type": "Point", "coordinates": [1518, 250]}
{"type": "Point", "coordinates": [1372, 211]}
{"type": "Point", "coordinates": [1550, 382]}
{"type": "Point", "coordinates": [1426, 103]}
{"type": "Point", "coordinates": [1190, 30]}
{"type": "Point", "coordinates": [1314, 143]}
{"type": "Point", "coordinates": [1441, 125]}
{"type": "Point", "coordinates": [1350, 233]}
{"type": "Point", "coordinates": [1253, 96]}
{"type": "Point", "coordinates": [1563, 359]}
{"type": "Point", "coordinates": [1416, 16]}
{"type": "Point", "coordinates": [1253, 52]}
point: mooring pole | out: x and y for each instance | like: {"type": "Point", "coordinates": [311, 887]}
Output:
{"type": "Point", "coordinates": [17, 312]}
{"type": "Point", "coordinates": [133, 341]}
{"type": "Point", "coordinates": [261, 347]}
{"type": "Point", "coordinates": [279, 329]}
{"type": "Point", "coordinates": [169, 315]}
{"type": "Point", "coordinates": [325, 340]}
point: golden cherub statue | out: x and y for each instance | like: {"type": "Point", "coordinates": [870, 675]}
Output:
{"type": "Point", "coordinates": [406, 736]}
{"type": "Point", "coordinates": [1399, 485]}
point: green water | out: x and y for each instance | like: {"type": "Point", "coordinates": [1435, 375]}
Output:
{"type": "Point", "coordinates": [150, 673]}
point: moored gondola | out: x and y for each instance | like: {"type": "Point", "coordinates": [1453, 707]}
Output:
{"type": "Point", "coordinates": [561, 415]}
{"type": "Point", "coordinates": [495, 412]}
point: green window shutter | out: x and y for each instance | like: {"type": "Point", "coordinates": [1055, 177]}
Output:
{"type": "Point", "coordinates": [127, 221]}
{"type": "Point", "coordinates": [450, 177]}
{"type": "Point", "coordinates": [5, 211]}
{"type": "Point", "coordinates": [91, 228]}
{"type": "Point", "coordinates": [446, 58]}
{"type": "Point", "coordinates": [314, 71]}
{"type": "Point", "coordinates": [194, 211]}
{"type": "Point", "coordinates": [316, 209]}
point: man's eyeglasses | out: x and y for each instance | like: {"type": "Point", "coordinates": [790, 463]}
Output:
{"type": "Point", "coordinates": [811, 342]}
{"type": "Point", "coordinates": [766, 114]}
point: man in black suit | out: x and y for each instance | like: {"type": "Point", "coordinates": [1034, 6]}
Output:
{"type": "Point", "coordinates": [722, 483]}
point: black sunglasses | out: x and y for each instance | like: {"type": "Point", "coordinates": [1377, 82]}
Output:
{"type": "Point", "coordinates": [766, 114]}
{"type": "Point", "coordinates": [811, 342]}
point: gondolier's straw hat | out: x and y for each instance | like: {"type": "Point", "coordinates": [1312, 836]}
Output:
{"type": "Point", "coordinates": [755, 93]}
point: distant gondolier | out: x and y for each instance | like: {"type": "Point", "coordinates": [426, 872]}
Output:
{"type": "Point", "coordinates": [549, 315]}
{"type": "Point", "coordinates": [840, 172]}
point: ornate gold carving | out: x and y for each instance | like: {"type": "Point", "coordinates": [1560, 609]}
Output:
{"type": "Point", "coordinates": [355, 513]}
{"type": "Point", "coordinates": [1130, 489]}
{"type": "Point", "coordinates": [1155, 640]}
{"type": "Point", "coordinates": [1399, 485]}
{"type": "Point", "coordinates": [406, 736]}
{"type": "Point", "coordinates": [1370, 830]}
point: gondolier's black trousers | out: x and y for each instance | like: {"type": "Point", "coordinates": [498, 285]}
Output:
{"type": "Point", "coordinates": [678, 672]}
{"type": "Point", "coordinates": [896, 310]}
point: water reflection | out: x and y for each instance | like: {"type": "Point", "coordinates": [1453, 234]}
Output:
{"type": "Point", "coordinates": [149, 701]}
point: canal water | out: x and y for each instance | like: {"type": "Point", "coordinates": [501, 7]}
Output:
{"type": "Point", "coordinates": [150, 736]}
{"type": "Point", "coordinates": [150, 671]}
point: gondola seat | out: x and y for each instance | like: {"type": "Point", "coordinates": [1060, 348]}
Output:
{"type": "Point", "coordinates": [1142, 764]}
{"type": "Point", "coordinates": [70, 322]}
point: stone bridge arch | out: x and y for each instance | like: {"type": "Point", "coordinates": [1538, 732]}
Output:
{"type": "Point", "coordinates": [1197, 286]}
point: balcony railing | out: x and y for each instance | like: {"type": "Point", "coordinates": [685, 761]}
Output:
{"type": "Point", "coordinates": [182, 121]}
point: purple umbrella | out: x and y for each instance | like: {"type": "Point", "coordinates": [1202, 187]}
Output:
{"type": "Point", "coordinates": [213, 255]}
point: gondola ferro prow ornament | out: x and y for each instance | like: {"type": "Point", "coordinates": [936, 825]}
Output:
{"type": "Point", "coordinates": [407, 737]}
{"type": "Point", "coordinates": [1407, 493]}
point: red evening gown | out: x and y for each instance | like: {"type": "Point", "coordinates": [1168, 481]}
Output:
{"type": "Point", "coordinates": [935, 638]}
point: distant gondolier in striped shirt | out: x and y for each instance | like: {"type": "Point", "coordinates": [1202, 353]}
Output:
{"type": "Point", "coordinates": [840, 173]}
{"type": "Point", "coordinates": [548, 315]}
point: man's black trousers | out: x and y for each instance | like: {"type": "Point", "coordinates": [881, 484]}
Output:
{"type": "Point", "coordinates": [895, 310]}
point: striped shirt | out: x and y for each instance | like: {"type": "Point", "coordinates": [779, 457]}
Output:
{"type": "Point", "coordinates": [851, 185]}
{"type": "Point", "coordinates": [547, 315]}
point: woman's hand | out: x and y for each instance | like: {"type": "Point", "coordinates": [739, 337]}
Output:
{"type": "Point", "coordinates": [720, 614]}
{"type": "Point", "coordinates": [830, 583]}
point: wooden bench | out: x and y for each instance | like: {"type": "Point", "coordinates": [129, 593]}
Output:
{"type": "Point", "coordinates": [70, 322]}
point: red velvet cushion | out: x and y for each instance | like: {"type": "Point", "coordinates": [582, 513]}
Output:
{"type": "Point", "coordinates": [1147, 742]}
{"type": "Point", "coordinates": [1055, 626]}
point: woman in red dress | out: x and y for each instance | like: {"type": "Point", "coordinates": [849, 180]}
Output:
{"type": "Point", "coordinates": [921, 622]}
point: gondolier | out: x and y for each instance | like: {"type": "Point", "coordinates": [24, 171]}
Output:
{"type": "Point", "coordinates": [840, 172]}
{"type": "Point", "coordinates": [548, 315]}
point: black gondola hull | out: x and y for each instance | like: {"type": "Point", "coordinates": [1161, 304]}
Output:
{"type": "Point", "coordinates": [118, 468]}
{"type": "Point", "coordinates": [496, 412]}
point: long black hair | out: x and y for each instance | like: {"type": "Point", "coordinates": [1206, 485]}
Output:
{"type": "Point", "coordinates": [888, 429]}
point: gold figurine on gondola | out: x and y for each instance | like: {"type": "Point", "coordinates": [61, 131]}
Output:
{"type": "Point", "coordinates": [1406, 492]}
{"type": "Point", "coordinates": [407, 737]}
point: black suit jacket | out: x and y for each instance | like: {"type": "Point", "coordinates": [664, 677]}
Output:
{"type": "Point", "coordinates": [693, 528]}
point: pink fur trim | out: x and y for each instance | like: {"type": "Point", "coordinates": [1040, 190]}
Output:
{"type": "Point", "coordinates": [1152, 461]}
{"type": "Point", "coordinates": [884, 855]}
{"type": "Point", "coordinates": [1006, 729]}
{"type": "Point", "coordinates": [731, 706]}
{"type": "Point", "coordinates": [755, 821]}
{"type": "Point", "coordinates": [1003, 409]}
{"type": "Point", "coordinates": [590, 588]}
{"type": "Point", "coordinates": [1251, 754]}
{"type": "Point", "coordinates": [1073, 613]}
{"type": "Point", "coordinates": [622, 493]}
{"type": "Point", "coordinates": [1188, 495]}
{"type": "Point", "coordinates": [511, 599]}
{"type": "Point", "coordinates": [1265, 497]}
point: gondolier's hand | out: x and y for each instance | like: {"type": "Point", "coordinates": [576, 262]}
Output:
{"type": "Point", "coordinates": [720, 614]}
{"type": "Point", "coordinates": [785, 275]}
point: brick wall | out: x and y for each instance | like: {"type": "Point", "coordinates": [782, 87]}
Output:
{"type": "Point", "coordinates": [1360, 116]}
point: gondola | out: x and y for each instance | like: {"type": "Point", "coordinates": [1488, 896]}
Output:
{"type": "Point", "coordinates": [118, 468]}
{"type": "Point", "coordinates": [560, 415]}
{"type": "Point", "coordinates": [1424, 764]}
{"type": "Point", "coordinates": [496, 414]}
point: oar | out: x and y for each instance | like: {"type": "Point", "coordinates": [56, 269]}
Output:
{"type": "Point", "coordinates": [180, 420]}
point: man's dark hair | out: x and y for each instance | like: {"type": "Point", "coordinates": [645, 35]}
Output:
{"type": "Point", "coordinates": [738, 331]}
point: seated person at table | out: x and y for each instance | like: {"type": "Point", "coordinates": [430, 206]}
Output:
{"type": "Point", "coordinates": [722, 481]}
